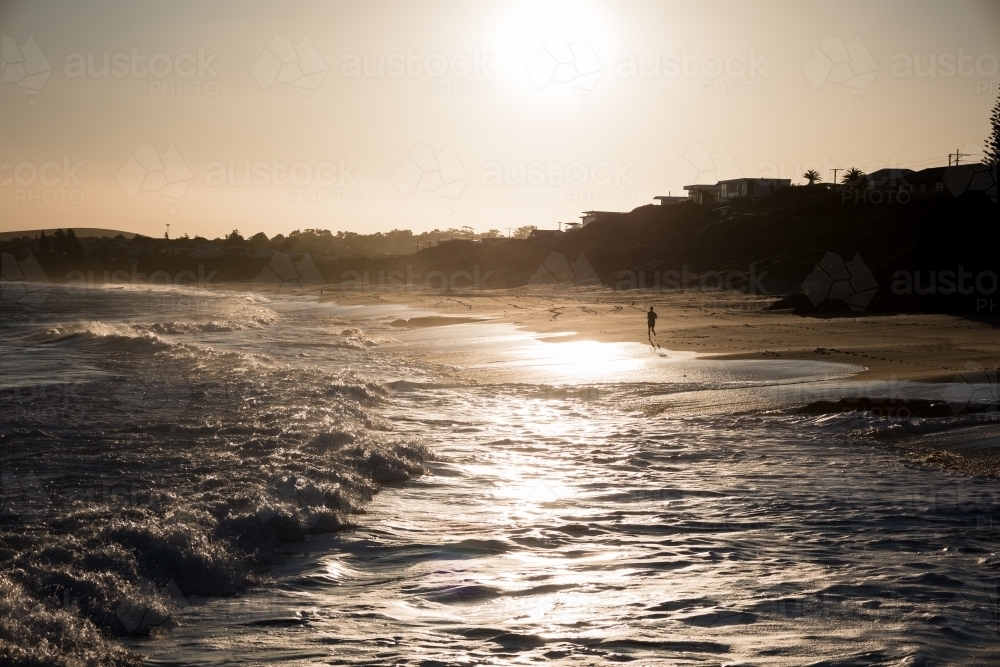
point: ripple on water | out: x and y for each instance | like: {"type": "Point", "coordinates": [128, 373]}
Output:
{"type": "Point", "coordinates": [709, 539]}
{"type": "Point", "coordinates": [627, 523]}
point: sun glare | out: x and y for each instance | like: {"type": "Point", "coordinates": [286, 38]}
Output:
{"type": "Point", "coordinates": [537, 45]}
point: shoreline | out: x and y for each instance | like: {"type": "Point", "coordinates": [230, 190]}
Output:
{"type": "Point", "coordinates": [936, 350]}
{"type": "Point", "coordinates": [931, 348]}
{"type": "Point", "coordinates": [715, 325]}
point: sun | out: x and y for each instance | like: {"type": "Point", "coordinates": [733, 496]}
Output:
{"type": "Point", "coordinates": [524, 28]}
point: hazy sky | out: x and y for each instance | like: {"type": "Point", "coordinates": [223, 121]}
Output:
{"type": "Point", "coordinates": [369, 116]}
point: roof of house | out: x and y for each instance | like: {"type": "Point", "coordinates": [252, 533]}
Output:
{"type": "Point", "coordinates": [770, 180]}
{"type": "Point", "coordinates": [888, 174]}
{"type": "Point", "coordinates": [931, 175]}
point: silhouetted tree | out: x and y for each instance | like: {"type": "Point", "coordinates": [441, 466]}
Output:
{"type": "Point", "coordinates": [854, 177]}
{"type": "Point", "coordinates": [993, 142]}
{"type": "Point", "coordinates": [74, 248]}
{"type": "Point", "coordinates": [59, 241]}
{"type": "Point", "coordinates": [43, 243]}
{"type": "Point", "coordinates": [234, 236]}
{"type": "Point", "coordinates": [812, 176]}
{"type": "Point", "coordinates": [258, 240]}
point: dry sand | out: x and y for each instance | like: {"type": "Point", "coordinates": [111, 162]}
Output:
{"type": "Point", "coordinates": [923, 348]}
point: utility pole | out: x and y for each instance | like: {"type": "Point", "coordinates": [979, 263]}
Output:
{"type": "Point", "coordinates": [508, 231]}
{"type": "Point", "coordinates": [835, 175]}
{"type": "Point", "coordinates": [958, 156]}
{"type": "Point", "coordinates": [168, 231]}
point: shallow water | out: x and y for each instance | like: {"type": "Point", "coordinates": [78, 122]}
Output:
{"type": "Point", "coordinates": [588, 503]}
{"type": "Point", "coordinates": [548, 535]}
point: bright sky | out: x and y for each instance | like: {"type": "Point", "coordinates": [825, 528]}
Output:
{"type": "Point", "coordinates": [374, 115]}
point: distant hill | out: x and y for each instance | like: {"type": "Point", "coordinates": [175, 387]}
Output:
{"type": "Point", "coordinates": [81, 232]}
{"type": "Point", "coordinates": [824, 250]}
{"type": "Point", "coordinates": [785, 235]}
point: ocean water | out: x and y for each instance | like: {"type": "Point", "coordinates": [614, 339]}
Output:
{"type": "Point", "coordinates": [195, 478]}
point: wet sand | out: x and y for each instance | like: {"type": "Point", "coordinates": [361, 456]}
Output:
{"type": "Point", "coordinates": [908, 348]}
{"type": "Point", "coordinates": [920, 348]}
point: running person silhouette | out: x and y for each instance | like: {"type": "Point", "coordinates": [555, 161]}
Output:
{"type": "Point", "coordinates": [651, 322]}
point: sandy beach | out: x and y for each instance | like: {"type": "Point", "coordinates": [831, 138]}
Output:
{"type": "Point", "coordinates": [722, 325]}
{"type": "Point", "coordinates": [934, 350]}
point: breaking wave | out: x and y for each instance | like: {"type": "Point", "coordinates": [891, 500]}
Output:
{"type": "Point", "coordinates": [172, 475]}
{"type": "Point", "coordinates": [114, 337]}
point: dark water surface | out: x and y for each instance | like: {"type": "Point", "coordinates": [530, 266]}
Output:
{"type": "Point", "coordinates": [583, 503]}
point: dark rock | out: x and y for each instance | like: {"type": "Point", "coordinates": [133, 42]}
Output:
{"type": "Point", "coordinates": [891, 408]}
